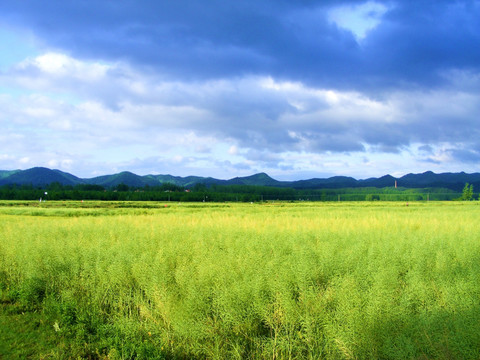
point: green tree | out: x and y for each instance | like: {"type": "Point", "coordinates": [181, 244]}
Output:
{"type": "Point", "coordinates": [467, 193]}
{"type": "Point", "coordinates": [122, 187]}
{"type": "Point", "coordinates": [199, 187]}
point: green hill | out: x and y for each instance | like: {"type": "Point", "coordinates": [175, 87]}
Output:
{"type": "Point", "coordinates": [39, 176]}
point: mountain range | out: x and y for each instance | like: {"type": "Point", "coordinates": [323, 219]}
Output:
{"type": "Point", "coordinates": [40, 176]}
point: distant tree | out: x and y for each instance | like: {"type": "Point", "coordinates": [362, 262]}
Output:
{"type": "Point", "coordinates": [121, 187]}
{"type": "Point", "coordinates": [55, 186]}
{"type": "Point", "coordinates": [170, 187]}
{"type": "Point", "coordinates": [467, 193]}
{"type": "Point", "coordinates": [198, 187]}
{"type": "Point", "coordinates": [89, 187]}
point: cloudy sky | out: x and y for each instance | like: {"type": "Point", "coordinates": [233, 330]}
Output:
{"type": "Point", "coordinates": [297, 89]}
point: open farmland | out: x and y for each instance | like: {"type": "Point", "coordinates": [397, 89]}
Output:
{"type": "Point", "coordinates": [268, 281]}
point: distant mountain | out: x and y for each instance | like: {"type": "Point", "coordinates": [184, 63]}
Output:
{"type": "Point", "coordinates": [260, 179]}
{"type": "Point", "coordinates": [454, 181]}
{"type": "Point", "coordinates": [7, 173]}
{"type": "Point", "coordinates": [187, 181]}
{"type": "Point", "coordinates": [40, 176]}
{"type": "Point", "coordinates": [335, 182]}
{"type": "Point", "coordinates": [384, 181]}
{"type": "Point", "coordinates": [125, 177]}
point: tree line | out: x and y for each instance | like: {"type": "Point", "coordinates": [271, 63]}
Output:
{"type": "Point", "coordinates": [221, 193]}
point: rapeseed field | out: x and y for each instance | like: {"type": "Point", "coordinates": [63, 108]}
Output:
{"type": "Point", "coordinates": [240, 281]}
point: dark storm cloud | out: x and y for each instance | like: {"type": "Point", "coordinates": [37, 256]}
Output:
{"type": "Point", "coordinates": [465, 155]}
{"type": "Point", "coordinates": [414, 43]}
{"type": "Point", "coordinates": [420, 39]}
{"type": "Point", "coordinates": [427, 149]}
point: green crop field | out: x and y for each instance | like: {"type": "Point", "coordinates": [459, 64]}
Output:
{"type": "Point", "coordinates": [105, 280]}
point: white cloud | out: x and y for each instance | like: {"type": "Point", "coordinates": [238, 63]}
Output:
{"type": "Point", "coordinates": [233, 150]}
{"type": "Point", "coordinates": [118, 114]}
{"type": "Point", "coordinates": [359, 19]}
{"type": "Point", "coordinates": [61, 65]}
{"type": "Point", "coordinates": [6, 157]}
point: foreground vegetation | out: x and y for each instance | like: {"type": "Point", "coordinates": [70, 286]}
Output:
{"type": "Point", "coordinates": [273, 280]}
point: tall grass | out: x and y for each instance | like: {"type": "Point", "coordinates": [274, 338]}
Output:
{"type": "Point", "coordinates": [303, 281]}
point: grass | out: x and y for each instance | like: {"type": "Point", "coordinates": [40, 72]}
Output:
{"type": "Point", "coordinates": [218, 281]}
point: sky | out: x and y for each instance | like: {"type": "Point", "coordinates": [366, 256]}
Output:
{"type": "Point", "coordinates": [297, 89]}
